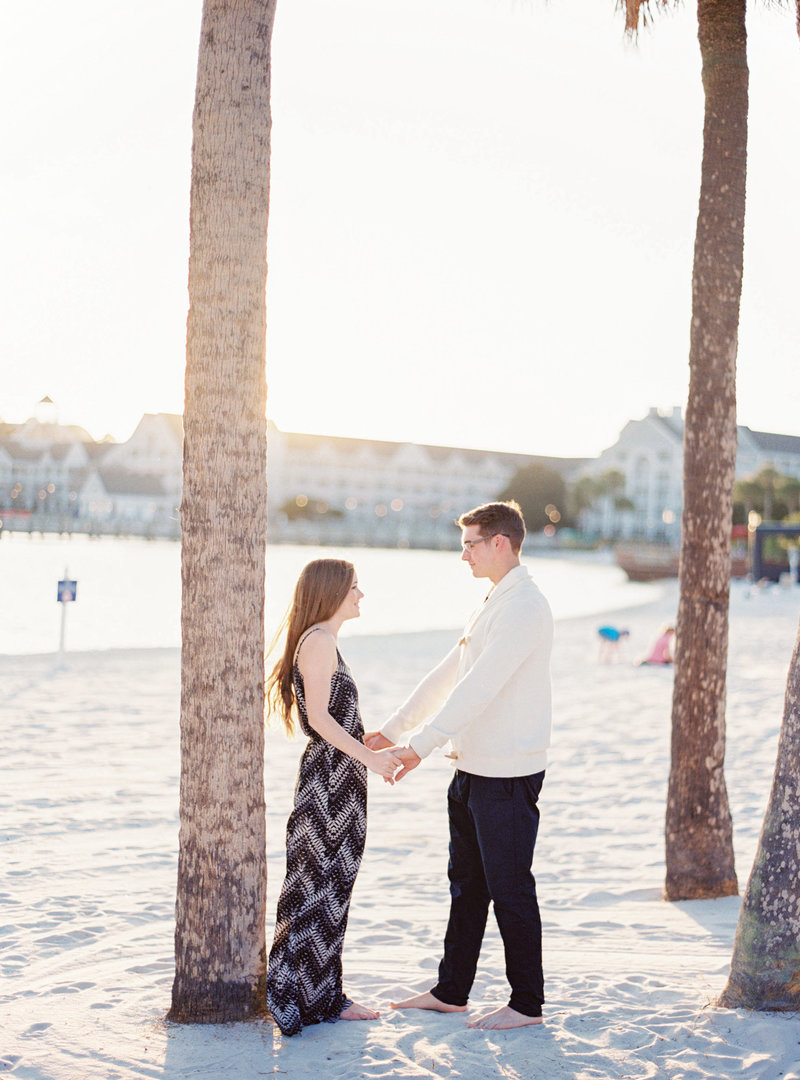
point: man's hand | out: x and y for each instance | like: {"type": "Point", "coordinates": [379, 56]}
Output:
{"type": "Point", "coordinates": [373, 740]}
{"type": "Point", "coordinates": [410, 759]}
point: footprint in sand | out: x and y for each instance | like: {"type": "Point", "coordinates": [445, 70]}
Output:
{"type": "Point", "coordinates": [74, 937]}
{"type": "Point", "coordinates": [72, 988]}
{"type": "Point", "coordinates": [35, 1030]}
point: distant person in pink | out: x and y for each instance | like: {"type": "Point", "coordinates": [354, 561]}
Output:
{"type": "Point", "coordinates": [661, 653]}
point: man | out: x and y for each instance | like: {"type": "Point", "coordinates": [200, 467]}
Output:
{"type": "Point", "coordinates": [490, 698]}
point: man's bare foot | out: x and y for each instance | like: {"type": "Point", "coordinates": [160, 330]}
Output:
{"type": "Point", "coordinates": [358, 1012]}
{"type": "Point", "coordinates": [503, 1018]}
{"type": "Point", "coordinates": [427, 1001]}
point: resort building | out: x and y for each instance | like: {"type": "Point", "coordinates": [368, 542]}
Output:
{"type": "Point", "coordinates": [376, 492]}
{"type": "Point", "coordinates": [55, 477]}
{"type": "Point", "coordinates": [155, 449]}
{"type": "Point", "coordinates": [324, 489]}
{"type": "Point", "coordinates": [647, 462]}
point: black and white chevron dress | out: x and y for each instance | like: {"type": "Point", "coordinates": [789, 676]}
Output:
{"type": "Point", "coordinates": [324, 843]}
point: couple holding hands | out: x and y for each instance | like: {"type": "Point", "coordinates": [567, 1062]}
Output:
{"type": "Point", "coordinates": [490, 699]}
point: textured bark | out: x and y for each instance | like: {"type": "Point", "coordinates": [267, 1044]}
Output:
{"type": "Point", "coordinates": [699, 847]}
{"type": "Point", "coordinates": [765, 969]}
{"type": "Point", "coordinates": [220, 948]}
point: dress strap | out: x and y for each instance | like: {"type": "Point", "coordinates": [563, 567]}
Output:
{"type": "Point", "coordinates": [308, 633]}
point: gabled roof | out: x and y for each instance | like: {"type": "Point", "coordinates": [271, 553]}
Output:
{"type": "Point", "coordinates": [175, 421]}
{"type": "Point", "coordinates": [98, 451]}
{"type": "Point", "coordinates": [775, 444]}
{"type": "Point", "coordinates": [673, 425]}
{"type": "Point", "coordinates": [34, 432]}
{"type": "Point", "coordinates": [58, 451]}
{"type": "Point", "coordinates": [298, 442]}
{"type": "Point", "coordinates": [22, 453]}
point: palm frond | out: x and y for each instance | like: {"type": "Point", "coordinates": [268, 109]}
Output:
{"type": "Point", "coordinates": [640, 12]}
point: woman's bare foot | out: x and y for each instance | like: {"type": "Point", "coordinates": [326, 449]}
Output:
{"type": "Point", "coordinates": [358, 1012]}
{"type": "Point", "coordinates": [506, 1017]}
{"type": "Point", "coordinates": [427, 1001]}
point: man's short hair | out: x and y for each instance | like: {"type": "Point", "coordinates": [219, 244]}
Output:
{"type": "Point", "coordinates": [497, 519]}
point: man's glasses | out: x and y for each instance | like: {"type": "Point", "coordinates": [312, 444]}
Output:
{"type": "Point", "coordinates": [468, 545]}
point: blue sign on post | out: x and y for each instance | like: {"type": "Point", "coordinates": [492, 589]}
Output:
{"type": "Point", "coordinates": [67, 591]}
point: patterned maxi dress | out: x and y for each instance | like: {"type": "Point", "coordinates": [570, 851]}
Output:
{"type": "Point", "coordinates": [324, 843]}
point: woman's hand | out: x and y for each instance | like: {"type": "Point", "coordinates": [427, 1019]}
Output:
{"type": "Point", "coordinates": [375, 741]}
{"type": "Point", "coordinates": [384, 762]}
{"type": "Point", "coordinates": [410, 759]}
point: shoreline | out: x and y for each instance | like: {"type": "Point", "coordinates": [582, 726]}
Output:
{"type": "Point", "coordinates": [128, 593]}
{"type": "Point", "coordinates": [628, 610]}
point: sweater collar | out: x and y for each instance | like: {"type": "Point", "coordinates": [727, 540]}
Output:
{"type": "Point", "coordinates": [505, 584]}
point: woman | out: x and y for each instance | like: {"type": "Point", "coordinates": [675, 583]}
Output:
{"type": "Point", "coordinates": [327, 828]}
{"type": "Point", "coordinates": [661, 652]}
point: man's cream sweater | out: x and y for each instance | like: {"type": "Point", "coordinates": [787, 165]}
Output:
{"type": "Point", "coordinates": [490, 696]}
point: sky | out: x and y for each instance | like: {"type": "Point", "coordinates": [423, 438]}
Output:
{"type": "Point", "coordinates": [481, 223]}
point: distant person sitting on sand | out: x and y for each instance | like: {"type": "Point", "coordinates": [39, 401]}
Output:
{"type": "Point", "coordinates": [661, 652]}
{"type": "Point", "coordinates": [610, 640]}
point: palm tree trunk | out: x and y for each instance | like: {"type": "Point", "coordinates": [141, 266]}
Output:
{"type": "Point", "coordinates": [765, 969]}
{"type": "Point", "coordinates": [220, 948]}
{"type": "Point", "coordinates": [699, 847]}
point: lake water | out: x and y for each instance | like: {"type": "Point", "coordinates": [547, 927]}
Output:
{"type": "Point", "coordinates": [129, 590]}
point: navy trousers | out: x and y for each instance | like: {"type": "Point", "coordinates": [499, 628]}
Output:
{"type": "Point", "coordinates": [493, 826]}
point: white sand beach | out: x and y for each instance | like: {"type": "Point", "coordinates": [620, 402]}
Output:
{"type": "Point", "coordinates": [88, 809]}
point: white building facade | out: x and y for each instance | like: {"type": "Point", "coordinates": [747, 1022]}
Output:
{"type": "Point", "coordinates": [372, 492]}
{"type": "Point", "coordinates": [321, 489]}
{"type": "Point", "coordinates": [649, 454]}
{"type": "Point", "coordinates": [56, 478]}
{"type": "Point", "coordinates": [324, 489]}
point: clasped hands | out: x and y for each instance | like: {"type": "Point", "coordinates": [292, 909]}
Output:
{"type": "Point", "coordinates": [373, 740]}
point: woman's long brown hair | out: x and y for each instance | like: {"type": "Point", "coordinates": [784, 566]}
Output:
{"type": "Point", "coordinates": [320, 590]}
